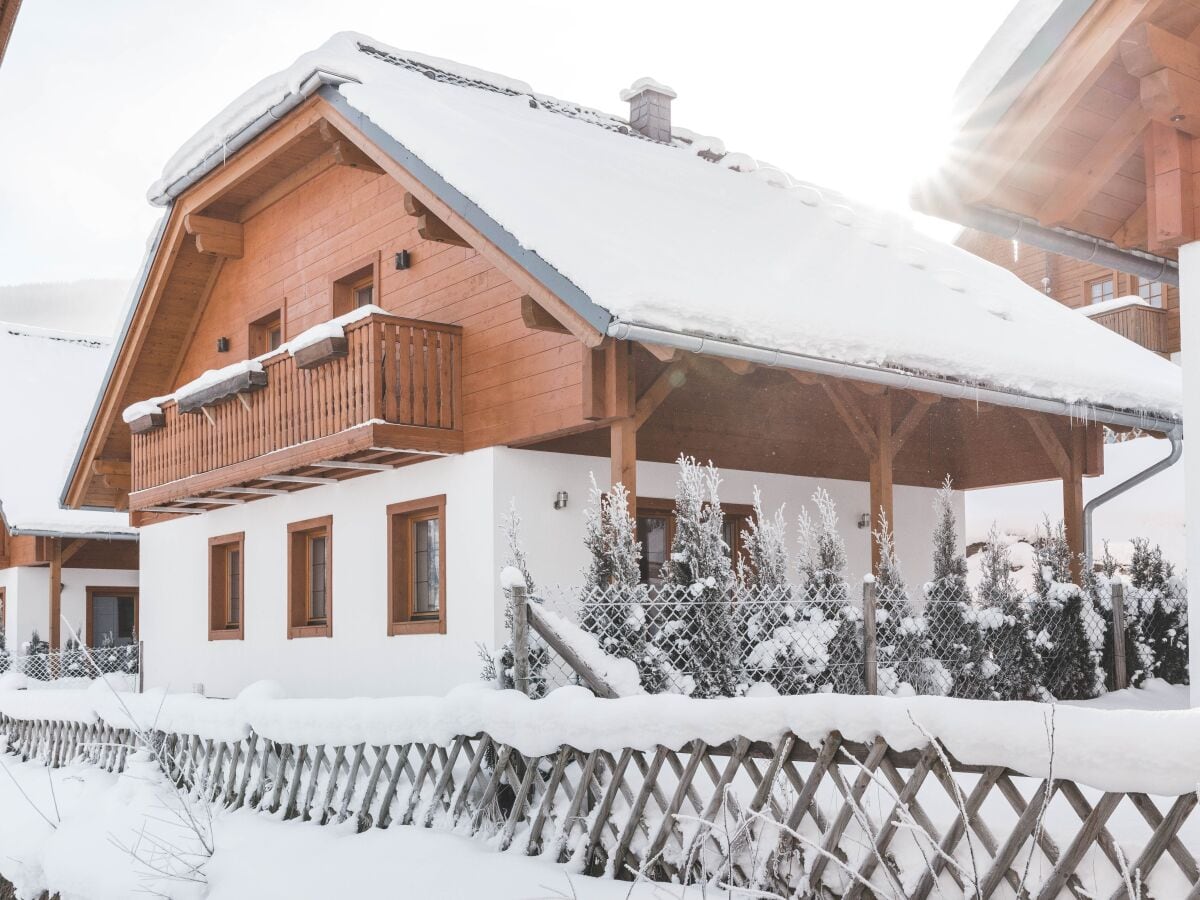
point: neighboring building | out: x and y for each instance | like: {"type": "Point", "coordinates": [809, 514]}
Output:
{"type": "Point", "coordinates": [56, 563]}
{"type": "Point", "coordinates": [392, 294]}
{"type": "Point", "coordinates": [1140, 309]}
{"type": "Point", "coordinates": [8, 19]}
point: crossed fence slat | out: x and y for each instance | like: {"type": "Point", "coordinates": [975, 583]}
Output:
{"type": "Point", "coordinates": [692, 814]}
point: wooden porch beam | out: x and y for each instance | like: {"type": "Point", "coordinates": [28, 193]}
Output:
{"type": "Point", "coordinates": [1146, 48]}
{"type": "Point", "coordinates": [852, 416]}
{"type": "Point", "coordinates": [1095, 170]}
{"type": "Point", "coordinates": [738, 366]}
{"type": "Point", "coordinates": [671, 377]}
{"type": "Point", "coordinates": [913, 418]}
{"type": "Point", "coordinates": [661, 353]}
{"type": "Point", "coordinates": [71, 549]}
{"type": "Point", "coordinates": [1073, 499]}
{"type": "Point", "coordinates": [536, 317]}
{"type": "Point", "coordinates": [1133, 232]}
{"type": "Point", "coordinates": [215, 237]}
{"type": "Point", "coordinates": [56, 562]}
{"type": "Point", "coordinates": [1050, 443]}
{"type": "Point", "coordinates": [881, 475]}
{"type": "Point", "coordinates": [1169, 215]}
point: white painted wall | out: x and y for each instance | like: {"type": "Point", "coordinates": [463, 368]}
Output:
{"type": "Point", "coordinates": [359, 658]}
{"type": "Point", "coordinates": [27, 595]}
{"type": "Point", "coordinates": [553, 539]}
{"type": "Point", "coordinates": [1189, 326]}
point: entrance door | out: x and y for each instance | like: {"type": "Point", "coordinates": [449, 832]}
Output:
{"type": "Point", "coordinates": [112, 617]}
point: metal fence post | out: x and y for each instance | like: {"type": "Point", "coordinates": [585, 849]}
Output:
{"type": "Point", "coordinates": [520, 637]}
{"type": "Point", "coordinates": [141, 664]}
{"type": "Point", "coordinates": [1120, 664]}
{"type": "Point", "coordinates": [870, 646]}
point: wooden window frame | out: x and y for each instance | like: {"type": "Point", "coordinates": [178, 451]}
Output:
{"type": "Point", "coordinates": [399, 575]}
{"type": "Point", "coordinates": [1139, 283]}
{"type": "Point", "coordinates": [298, 536]}
{"type": "Point", "coordinates": [344, 282]}
{"type": "Point", "coordinates": [659, 506]}
{"type": "Point", "coordinates": [218, 580]}
{"type": "Point", "coordinates": [90, 593]}
{"type": "Point", "coordinates": [258, 340]}
{"type": "Point", "coordinates": [1087, 288]}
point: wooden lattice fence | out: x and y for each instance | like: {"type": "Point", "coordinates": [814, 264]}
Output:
{"type": "Point", "coordinates": [782, 816]}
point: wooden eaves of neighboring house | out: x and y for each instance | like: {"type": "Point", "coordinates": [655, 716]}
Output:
{"type": "Point", "coordinates": [8, 19]}
{"type": "Point", "coordinates": [492, 334]}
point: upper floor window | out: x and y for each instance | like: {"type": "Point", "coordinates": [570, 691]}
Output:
{"type": "Point", "coordinates": [1099, 289]}
{"type": "Point", "coordinates": [1151, 292]}
{"type": "Point", "coordinates": [356, 286]}
{"type": "Point", "coordinates": [266, 334]}
{"type": "Point", "coordinates": [417, 566]}
{"type": "Point", "coordinates": [310, 578]}
{"type": "Point", "coordinates": [656, 532]}
{"type": "Point", "coordinates": [226, 581]}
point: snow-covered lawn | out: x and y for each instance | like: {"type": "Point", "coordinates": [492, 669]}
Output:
{"type": "Point", "coordinates": [1155, 694]}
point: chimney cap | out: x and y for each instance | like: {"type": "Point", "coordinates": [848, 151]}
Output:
{"type": "Point", "coordinates": [647, 84]}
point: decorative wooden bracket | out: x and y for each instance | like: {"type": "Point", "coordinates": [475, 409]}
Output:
{"type": "Point", "coordinates": [429, 226]}
{"type": "Point", "coordinates": [344, 152]}
{"type": "Point", "coordinates": [215, 237]}
{"type": "Point", "coordinates": [536, 317]}
{"type": "Point", "coordinates": [673, 376]}
{"type": "Point", "coordinates": [1070, 460]}
{"type": "Point", "coordinates": [113, 473]}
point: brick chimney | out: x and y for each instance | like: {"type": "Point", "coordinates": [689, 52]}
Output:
{"type": "Point", "coordinates": [650, 108]}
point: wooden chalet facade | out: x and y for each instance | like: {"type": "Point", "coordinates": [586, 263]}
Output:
{"type": "Point", "coordinates": [417, 361]}
{"type": "Point", "coordinates": [1153, 323]}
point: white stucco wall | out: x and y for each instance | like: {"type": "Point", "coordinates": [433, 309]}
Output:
{"type": "Point", "coordinates": [27, 599]}
{"type": "Point", "coordinates": [554, 538]}
{"type": "Point", "coordinates": [359, 658]}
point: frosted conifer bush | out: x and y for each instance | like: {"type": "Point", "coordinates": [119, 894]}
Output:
{"type": "Point", "coordinates": [1162, 614]}
{"type": "Point", "coordinates": [901, 635]}
{"type": "Point", "coordinates": [1060, 616]}
{"type": "Point", "coordinates": [1014, 669]}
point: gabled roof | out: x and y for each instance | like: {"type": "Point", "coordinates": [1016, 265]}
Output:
{"type": "Point", "coordinates": [47, 384]}
{"type": "Point", "coordinates": [8, 18]}
{"type": "Point", "coordinates": [688, 238]}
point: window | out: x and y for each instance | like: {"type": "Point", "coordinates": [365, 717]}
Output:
{"type": "Point", "coordinates": [266, 334]}
{"type": "Point", "coordinates": [356, 286]}
{"type": "Point", "coordinates": [310, 578]}
{"type": "Point", "coordinates": [1098, 290]}
{"type": "Point", "coordinates": [111, 616]}
{"type": "Point", "coordinates": [1151, 292]}
{"type": "Point", "coordinates": [656, 531]}
{"type": "Point", "coordinates": [226, 587]}
{"type": "Point", "coordinates": [417, 566]}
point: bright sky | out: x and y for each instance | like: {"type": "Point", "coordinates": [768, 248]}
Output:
{"type": "Point", "coordinates": [95, 97]}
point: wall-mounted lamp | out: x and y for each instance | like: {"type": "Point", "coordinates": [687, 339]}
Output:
{"type": "Point", "coordinates": [864, 521]}
{"type": "Point", "coordinates": [560, 500]}
{"type": "Point", "coordinates": [222, 345]}
{"type": "Point", "coordinates": [402, 260]}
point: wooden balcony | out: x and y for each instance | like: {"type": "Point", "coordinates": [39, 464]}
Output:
{"type": "Point", "coordinates": [1144, 325]}
{"type": "Point", "coordinates": [386, 394]}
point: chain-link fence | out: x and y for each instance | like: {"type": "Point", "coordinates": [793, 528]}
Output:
{"type": "Point", "coordinates": [75, 665]}
{"type": "Point", "coordinates": [704, 642]}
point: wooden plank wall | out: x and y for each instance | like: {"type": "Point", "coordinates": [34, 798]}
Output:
{"type": "Point", "coordinates": [516, 382]}
{"type": "Point", "coordinates": [1067, 275]}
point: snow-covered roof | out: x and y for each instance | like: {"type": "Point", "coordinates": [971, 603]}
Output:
{"type": "Point", "coordinates": [688, 238]}
{"type": "Point", "coordinates": [47, 384]}
{"type": "Point", "coordinates": [90, 306]}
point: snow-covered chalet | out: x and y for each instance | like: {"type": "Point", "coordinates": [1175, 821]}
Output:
{"type": "Point", "coordinates": [391, 294]}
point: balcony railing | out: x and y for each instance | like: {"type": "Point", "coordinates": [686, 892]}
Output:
{"type": "Point", "coordinates": [386, 371]}
{"type": "Point", "coordinates": [1145, 325]}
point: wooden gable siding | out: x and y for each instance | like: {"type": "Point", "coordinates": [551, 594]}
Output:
{"type": "Point", "coordinates": [1068, 276]}
{"type": "Point", "coordinates": [27, 550]}
{"type": "Point", "coordinates": [517, 382]}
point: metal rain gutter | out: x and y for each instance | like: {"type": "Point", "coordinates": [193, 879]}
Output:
{"type": "Point", "coordinates": [1175, 436]}
{"type": "Point", "coordinates": [889, 378]}
{"type": "Point", "coordinates": [87, 535]}
{"type": "Point", "coordinates": [249, 132]}
{"type": "Point", "coordinates": [1089, 249]}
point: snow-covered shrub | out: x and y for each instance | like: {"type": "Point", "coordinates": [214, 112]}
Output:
{"type": "Point", "coordinates": [903, 645]}
{"type": "Point", "coordinates": [613, 608]}
{"type": "Point", "coordinates": [702, 641]}
{"type": "Point", "coordinates": [1162, 612]}
{"type": "Point", "coordinates": [1014, 668]}
{"type": "Point", "coordinates": [38, 652]}
{"type": "Point", "coordinates": [764, 563]}
{"type": "Point", "coordinates": [834, 623]}
{"type": "Point", "coordinates": [5, 658]}
{"type": "Point", "coordinates": [1063, 619]}
{"type": "Point", "coordinates": [73, 661]}
{"type": "Point", "coordinates": [957, 650]}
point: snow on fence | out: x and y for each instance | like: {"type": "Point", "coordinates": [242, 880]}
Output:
{"type": "Point", "coordinates": [768, 795]}
{"type": "Point", "coordinates": [798, 641]}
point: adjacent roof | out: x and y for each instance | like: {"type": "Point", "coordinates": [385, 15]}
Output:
{"type": "Point", "coordinates": [689, 238]}
{"type": "Point", "coordinates": [8, 18]}
{"type": "Point", "coordinates": [47, 384]}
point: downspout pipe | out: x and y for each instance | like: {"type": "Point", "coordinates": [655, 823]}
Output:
{"type": "Point", "coordinates": [1176, 438]}
{"type": "Point", "coordinates": [1089, 249]}
{"type": "Point", "coordinates": [893, 379]}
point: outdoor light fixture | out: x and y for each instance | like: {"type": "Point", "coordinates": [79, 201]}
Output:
{"type": "Point", "coordinates": [402, 260]}
{"type": "Point", "coordinates": [223, 345]}
{"type": "Point", "coordinates": [864, 521]}
{"type": "Point", "coordinates": [1178, 117]}
{"type": "Point", "coordinates": [560, 500]}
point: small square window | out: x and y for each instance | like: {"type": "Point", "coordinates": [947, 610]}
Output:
{"type": "Point", "coordinates": [266, 334]}
{"type": "Point", "coordinates": [417, 566]}
{"type": "Point", "coordinates": [1151, 292]}
{"type": "Point", "coordinates": [310, 578]}
{"type": "Point", "coordinates": [355, 286]}
{"type": "Point", "coordinates": [1099, 290]}
{"type": "Point", "coordinates": [364, 295]}
{"type": "Point", "coordinates": [226, 587]}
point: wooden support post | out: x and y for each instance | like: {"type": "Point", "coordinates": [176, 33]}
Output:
{"type": "Point", "coordinates": [1073, 499]}
{"type": "Point", "coordinates": [881, 474]}
{"type": "Point", "coordinates": [520, 638]}
{"type": "Point", "coordinates": [1120, 663]}
{"type": "Point", "coordinates": [870, 643]}
{"type": "Point", "coordinates": [619, 377]}
{"type": "Point", "coordinates": [55, 594]}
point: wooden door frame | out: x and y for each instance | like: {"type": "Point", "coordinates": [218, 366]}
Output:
{"type": "Point", "coordinates": [92, 591]}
